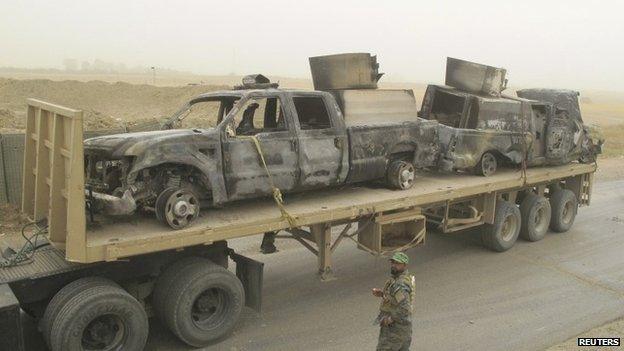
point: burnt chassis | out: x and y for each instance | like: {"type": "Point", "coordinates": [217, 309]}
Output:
{"type": "Point", "coordinates": [512, 130]}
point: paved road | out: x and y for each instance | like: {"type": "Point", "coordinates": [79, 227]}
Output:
{"type": "Point", "coordinates": [531, 297]}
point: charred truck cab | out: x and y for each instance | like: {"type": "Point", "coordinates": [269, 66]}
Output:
{"type": "Point", "coordinates": [265, 138]}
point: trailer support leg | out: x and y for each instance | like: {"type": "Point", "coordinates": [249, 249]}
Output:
{"type": "Point", "coordinates": [322, 235]}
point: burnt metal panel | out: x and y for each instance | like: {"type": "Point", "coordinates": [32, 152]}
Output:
{"type": "Point", "coordinates": [561, 98]}
{"type": "Point", "coordinates": [373, 106]}
{"type": "Point", "coordinates": [345, 71]}
{"type": "Point", "coordinates": [475, 77]}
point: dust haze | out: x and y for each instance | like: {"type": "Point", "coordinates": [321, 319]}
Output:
{"type": "Point", "coordinates": [571, 44]}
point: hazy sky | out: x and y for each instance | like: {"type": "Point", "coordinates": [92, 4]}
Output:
{"type": "Point", "coordinates": [574, 44]}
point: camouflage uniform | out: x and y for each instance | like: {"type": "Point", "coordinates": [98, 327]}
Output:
{"type": "Point", "coordinates": [398, 295]}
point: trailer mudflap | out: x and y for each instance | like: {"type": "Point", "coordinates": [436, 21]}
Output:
{"type": "Point", "coordinates": [11, 333]}
{"type": "Point", "coordinates": [251, 274]}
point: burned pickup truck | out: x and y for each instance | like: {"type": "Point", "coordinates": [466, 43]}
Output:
{"type": "Point", "coordinates": [265, 139]}
{"type": "Point", "coordinates": [481, 128]}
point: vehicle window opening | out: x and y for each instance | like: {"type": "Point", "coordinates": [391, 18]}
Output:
{"type": "Point", "coordinates": [260, 115]}
{"type": "Point", "coordinates": [312, 113]}
{"type": "Point", "coordinates": [447, 108]}
{"type": "Point", "coordinates": [472, 117]}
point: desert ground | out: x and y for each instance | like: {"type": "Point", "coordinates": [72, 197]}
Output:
{"type": "Point", "coordinates": [592, 280]}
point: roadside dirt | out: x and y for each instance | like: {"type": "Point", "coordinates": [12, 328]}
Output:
{"type": "Point", "coordinates": [106, 105]}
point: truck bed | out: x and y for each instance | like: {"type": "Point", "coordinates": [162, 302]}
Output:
{"type": "Point", "coordinates": [127, 238]}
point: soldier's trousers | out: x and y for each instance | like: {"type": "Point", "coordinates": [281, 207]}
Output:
{"type": "Point", "coordinates": [395, 337]}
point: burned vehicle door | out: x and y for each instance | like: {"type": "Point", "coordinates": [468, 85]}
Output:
{"type": "Point", "coordinates": [541, 114]}
{"type": "Point", "coordinates": [322, 140]}
{"type": "Point", "coordinates": [562, 135]}
{"type": "Point", "coordinates": [262, 116]}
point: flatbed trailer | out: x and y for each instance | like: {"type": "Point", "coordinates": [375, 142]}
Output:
{"type": "Point", "coordinates": [140, 259]}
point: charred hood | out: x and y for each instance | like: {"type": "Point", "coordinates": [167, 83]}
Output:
{"type": "Point", "coordinates": [134, 144]}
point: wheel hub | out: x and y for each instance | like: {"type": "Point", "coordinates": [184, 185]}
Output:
{"type": "Point", "coordinates": [178, 207]}
{"type": "Point", "coordinates": [103, 333]}
{"type": "Point", "coordinates": [208, 307]}
{"type": "Point", "coordinates": [406, 176]}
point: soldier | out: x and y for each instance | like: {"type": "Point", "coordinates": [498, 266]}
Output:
{"type": "Point", "coordinates": [395, 312]}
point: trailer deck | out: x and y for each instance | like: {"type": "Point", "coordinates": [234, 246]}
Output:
{"type": "Point", "coordinates": [109, 241]}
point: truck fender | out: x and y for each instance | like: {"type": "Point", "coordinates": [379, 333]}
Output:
{"type": "Point", "coordinates": [210, 167]}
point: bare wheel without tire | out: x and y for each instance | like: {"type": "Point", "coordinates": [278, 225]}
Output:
{"type": "Point", "coordinates": [62, 296]}
{"type": "Point", "coordinates": [503, 233]}
{"type": "Point", "coordinates": [564, 206]}
{"type": "Point", "coordinates": [535, 213]}
{"type": "Point", "coordinates": [401, 174]}
{"type": "Point", "coordinates": [203, 303]}
{"type": "Point", "coordinates": [487, 165]}
{"type": "Point", "coordinates": [177, 207]}
{"type": "Point", "coordinates": [100, 318]}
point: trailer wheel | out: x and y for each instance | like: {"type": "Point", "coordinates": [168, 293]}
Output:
{"type": "Point", "coordinates": [564, 207]}
{"type": "Point", "coordinates": [100, 318]}
{"type": "Point", "coordinates": [400, 175]}
{"type": "Point", "coordinates": [62, 296]}
{"type": "Point", "coordinates": [503, 233]}
{"type": "Point", "coordinates": [487, 165]}
{"type": "Point", "coordinates": [204, 303]}
{"type": "Point", "coordinates": [164, 283]}
{"type": "Point", "coordinates": [535, 214]}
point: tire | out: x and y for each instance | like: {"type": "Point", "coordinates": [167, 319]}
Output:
{"type": "Point", "coordinates": [100, 317]}
{"type": "Point", "coordinates": [535, 215]}
{"type": "Point", "coordinates": [564, 206]}
{"type": "Point", "coordinates": [487, 166]}
{"type": "Point", "coordinates": [164, 283]}
{"type": "Point", "coordinates": [62, 296]}
{"type": "Point", "coordinates": [400, 175]}
{"type": "Point", "coordinates": [503, 233]}
{"type": "Point", "coordinates": [189, 301]}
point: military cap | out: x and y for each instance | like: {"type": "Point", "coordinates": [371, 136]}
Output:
{"type": "Point", "coordinates": [400, 257]}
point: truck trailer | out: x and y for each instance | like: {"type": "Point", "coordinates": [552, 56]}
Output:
{"type": "Point", "coordinates": [95, 285]}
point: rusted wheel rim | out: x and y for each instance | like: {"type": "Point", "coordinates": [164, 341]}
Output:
{"type": "Point", "coordinates": [181, 209]}
{"type": "Point", "coordinates": [488, 164]}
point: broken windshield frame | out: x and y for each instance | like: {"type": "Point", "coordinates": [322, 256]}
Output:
{"type": "Point", "coordinates": [226, 105]}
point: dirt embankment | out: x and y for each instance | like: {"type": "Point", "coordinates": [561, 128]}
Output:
{"type": "Point", "coordinates": [106, 105]}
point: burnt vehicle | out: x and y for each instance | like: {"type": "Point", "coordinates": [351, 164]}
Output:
{"type": "Point", "coordinates": [482, 128]}
{"type": "Point", "coordinates": [265, 139]}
